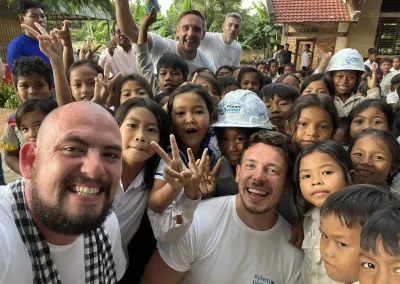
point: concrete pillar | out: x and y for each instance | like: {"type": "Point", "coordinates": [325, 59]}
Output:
{"type": "Point", "coordinates": [341, 42]}
{"type": "Point", "coordinates": [285, 30]}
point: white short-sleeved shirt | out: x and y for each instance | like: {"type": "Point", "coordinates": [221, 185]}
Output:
{"type": "Point", "coordinates": [313, 269]}
{"type": "Point", "coordinates": [220, 52]}
{"type": "Point", "coordinates": [16, 265]}
{"type": "Point", "coordinates": [369, 64]}
{"type": "Point", "coordinates": [121, 61]}
{"type": "Point", "coordinates": [164, 45]}
{"type": "Point", "coordinates": [392, 98]}
{"type": "Point", "coordinates": [129, 206]}
{"type": "Point", "coordinates": [306, 58]}
{"type": "Point", "coordinates": [220, 248]}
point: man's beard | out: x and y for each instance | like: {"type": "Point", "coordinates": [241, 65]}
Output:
{"type": "Point", "coordinates": [251, 210]}
{"type": "Point", "coordinates": [55, 216]}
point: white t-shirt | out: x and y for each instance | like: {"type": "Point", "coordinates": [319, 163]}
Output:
{"type": "Point", "coordinates": [220, 248]}
{"type": "Point", "coordinates": [121, 61]}
{"type": "Point", "coordinates": [392, 98]}
{"type": "Point", "coordinates": [164, 45]}
{"type": "Point", "coordinates": [369, 64]}
{"type": "Point", "coordinates": [15, 264]}
{"type": "Point", "coordinates": [306, 58]}
{"type": "Point", "coordinates": [129, 206]}
{"type": "Point", "coordinates": [220, 52]}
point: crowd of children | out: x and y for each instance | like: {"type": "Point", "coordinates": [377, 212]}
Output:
{"type": "Point", "coordinates": [183, 135]}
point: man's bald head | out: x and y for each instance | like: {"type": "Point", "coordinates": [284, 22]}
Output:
{"type": "Point", "coordinates": [74, 114]}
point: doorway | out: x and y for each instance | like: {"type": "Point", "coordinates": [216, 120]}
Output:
{"type": "Point", "coordinates": [300, 46]}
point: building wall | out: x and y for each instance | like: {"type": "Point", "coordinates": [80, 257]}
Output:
{"type": "Point", "coordinates": [9, 29]}
{"type": "Point", "coordinates": [361, 36]}
{"type": "Point", "coordinates": [325, 40]}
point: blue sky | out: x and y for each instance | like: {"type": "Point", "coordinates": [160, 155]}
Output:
{"type": "Point", "coordinates": [166, 3]}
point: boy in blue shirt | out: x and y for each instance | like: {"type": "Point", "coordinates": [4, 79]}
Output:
{"type": "Point", "coordinates": [26, 44]}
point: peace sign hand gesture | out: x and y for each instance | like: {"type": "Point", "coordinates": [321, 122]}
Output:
{"type": "Point", "coordinates": [103, 86]}
{"type": "Point", "coordinates": [48, 43]}
{"type": "Point", "coordinates": [87, 52]}
{"type": "Point", "coordinates": [209, 180]}
{"type": "Point", "coordinates": [175, 172]}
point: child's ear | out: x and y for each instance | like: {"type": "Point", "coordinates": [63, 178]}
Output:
{"type": "Point", "coordinates": [27, 156]}
{"type": "Point", "coordinates": [394, 169]}
{"type": "Point", "coordinates": [21, 18]}
{"type": "Point", "coordinates": [354, 176]}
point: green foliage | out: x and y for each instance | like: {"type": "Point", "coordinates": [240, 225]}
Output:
{"type": "Point", "coordinates": [258, 33]}
{"type": "Point", "coordinates": [95, 31]}
{"type": "Point", "coordinates": [8, 99]}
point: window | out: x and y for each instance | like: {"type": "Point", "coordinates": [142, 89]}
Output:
{"type": "Point", "coordinates": [387, 38]}
{"type": "Point", "coordinates": [390, 6]}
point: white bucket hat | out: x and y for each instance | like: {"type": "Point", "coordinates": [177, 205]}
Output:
{"type": "Point", "coordinates": [346, 59]}
{"type": "Point", "coordinates": [242, 108]}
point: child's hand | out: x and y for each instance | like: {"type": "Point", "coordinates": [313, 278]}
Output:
{"type": "Point", "coordinates": [103, 86]}
{"type": "Point", "coordinates": [64, 35]}
{"type": "Point", "coordinates": [198, 168]}
{"type": "Point", "coordinates": [149, 19]}
{"type": "Point", "coordinates": [373, 80]}
{"type": "Point", "coordinates": [209, 180]}
{"type": "Point", "coordinates": [48, 44]}
{"type": "Point", "coordinates": [325, 61]}
{"type": "Point", "coordinates": [175, 172]}
{"type": "Point", "coordinates": [87, 52]}
{"type": "Point", "coordinates": [297, 234]}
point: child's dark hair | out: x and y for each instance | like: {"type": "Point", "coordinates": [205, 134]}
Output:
{"type": "Point", "coordinates": [24, 5]}
{"type": "Point", "coordinates": [373, 103]}
{"type": "Point", "coordinates": [26, 66]}
{"type": "Point", "coordinates": [344, 123]}
{"type": "Point", "coordinates": [363, 88]}
{"type": "Point", "coordinates": [372, 50]}
{"type": "Point", "coordinates": [250, 69]}
{"type": "Point", "coordinates": [44, 106]}
{"type": "Point", "coordinates": [160, 96]}
{"type": "Point", "coordinates": [267, 80]}
{"type": "Point", "coordinates": [258, 63]}
{"type": "Point", "coordinates": [284, 76]}
{"type": "Point", "coordinates": [283, 91]}
{"type": "Point", "coordinates": [302, 72]}
{"type": "Point", "coordinates": [201, 70]}
{"type": "Point", "coordinates": [385, 136]}
{"type": "Point", "coordinates": [379, 71]}
{"type": "Point", "coordinates": [395, 80]}
{"type": "Point", "coordinates": [225, 82]}
{"type": "Point", "coordinates": [117, 89]}
{"type": "Point", "coordinates": [86, 63]}
{"type": "Point", "coordinates": [212, 81]}
{"type": "Point", "coordinates": [383, 225]}
{"type": "Point", "coordinates": [270, 62]}
{"type": "Point", "coordinates": [313, 100]}
{"type": "Point", "coordinates": [355, 204]}
{"type": "Point", "coordinates": [191, 88]}
{"type": "Point", "coordinates": [230, 68]}
{"type": "Point", "coordinates": [164, 127]}
{"type": "Point", "coordinates": [319, 77]}
{"type": "Point", "coordinates": [174, 61]}
{"type": "Point", "coordinates": [291, 65]}
{"type": "Point", "coordinates": [385, 59]}
{"type": "Point", "coordinates": [329, 147]}
{"type": "Point", "coordinates": [309, 72]}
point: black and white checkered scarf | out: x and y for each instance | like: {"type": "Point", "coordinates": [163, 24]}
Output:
{"type": "Point", "coordinates": [99, 263]}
